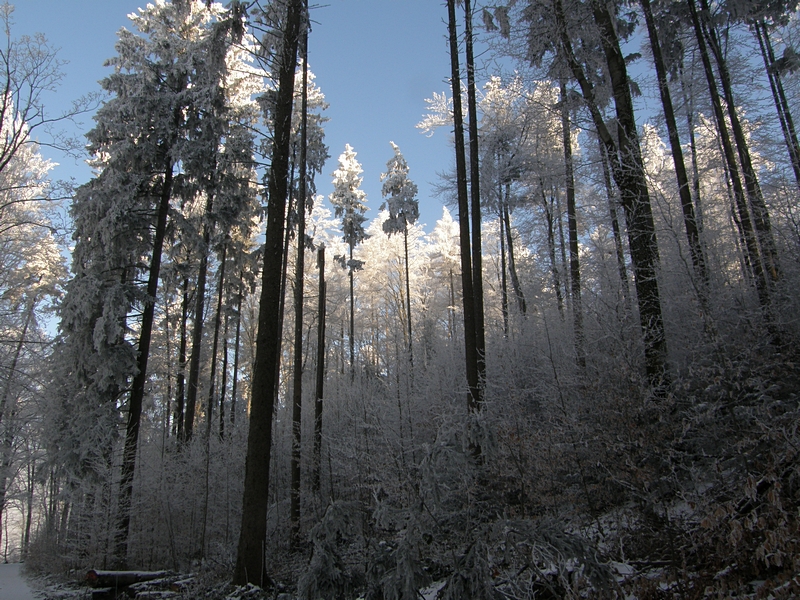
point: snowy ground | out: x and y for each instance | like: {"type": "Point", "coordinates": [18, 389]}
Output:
{"type": "Point", "coordinates": [12, 584]}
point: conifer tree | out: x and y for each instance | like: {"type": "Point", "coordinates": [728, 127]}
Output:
{"type": "Point", "coordinates": [403, 206]}
{"type": "Point", "coordinates": [348, 201]}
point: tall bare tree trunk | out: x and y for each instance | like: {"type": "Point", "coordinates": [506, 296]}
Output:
{"type": "Point", "coordinates": [475, 202]}
{"type": "Point", "coordinates": [235, 382]}
{"type": "Point", "coordinates": [692, 232]}
{"type": "Point", "coordinates": [628, 170]}
{"type": "Point", "coordinates": [137, 387]}
{"type": "Point", "coordinates": [572, 227]}
{"type": "Point", "coordinates": [750, 240]}
{"type": "Point", "coordinates": [193, 382]}
{"type": "Point", "coordinates": [512, 263]}
{"type": "Point", "coordinates": [320, 382]}
{"type": "Point", "coordinates": [761, 220]}
{"type": "Point", "coordinates": [250, 563]}
{"type": "Point", "coordinates": [299, 279]}
{"type": "Point", "coordinates": [779, 97]}
{"type": "Point", "coordinates": [467, 296]}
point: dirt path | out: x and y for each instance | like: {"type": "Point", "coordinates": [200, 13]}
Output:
{"type": "Point", "coordinates": [13, 585]}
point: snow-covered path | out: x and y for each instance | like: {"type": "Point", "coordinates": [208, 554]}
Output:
{"type": "Point", "coordinates": [12, 585]}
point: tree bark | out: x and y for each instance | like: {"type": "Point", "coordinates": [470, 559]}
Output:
{"type": "Point", "coordinates": [467, 296]}
{"type": "Point", "coordinates": [250, 564]}
{"type": "Point", "coordinates": [137, 388]}
{"type": "Point", "coordinates": [751, 242]}
{"type": "Point", "coordinates": [551, 247]}
{"type": "Point", "coordinates": [503, 277]}
{"type": "Point", "coordinates": [628, 170]}
{"type": "Point", "coordinates": [197, 330]}
{"type": "Point", "coordinates": [512, 263]}
{"type": "Point", "coordinates": [235, 382]}
{"type": "Point", "coordinates": [779, 97]}
{"type": "Point", "coordinates": [299, 279]}
{"type": "Point", "coordinates": [181, 385]}
{"type": "Point", "coordinates": [320, 382]}
{"type": "Point", "coordinates": [572, 227]}
{"type": "Point", "coordinates": [761, 220]}
{"type": "Point", "coordinates": [475, 208]}
{"type": "Point", "coordinates": [689, 221]}
{"type": "Point", "coordinates": [622, 269]}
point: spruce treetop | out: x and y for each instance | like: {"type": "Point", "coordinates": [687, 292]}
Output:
{"type": "Point", "coordinates": [401, 194]}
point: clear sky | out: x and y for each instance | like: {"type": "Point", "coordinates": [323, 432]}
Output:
{"type": "Point", "coordinates": [375, 61]}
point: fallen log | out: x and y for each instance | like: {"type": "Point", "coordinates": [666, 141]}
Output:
{"type": "Point", "coordinates": [119, 579]}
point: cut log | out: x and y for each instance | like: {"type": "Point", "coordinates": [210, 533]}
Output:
{"type": "Point", "coordinates": [118, 579]}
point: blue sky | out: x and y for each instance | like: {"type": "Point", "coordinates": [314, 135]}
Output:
{"type": "Point", "coordinates": [375, 61]}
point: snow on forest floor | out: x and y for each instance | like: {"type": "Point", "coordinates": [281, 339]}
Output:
{"type": "Point", "coordinates": [13, 585]}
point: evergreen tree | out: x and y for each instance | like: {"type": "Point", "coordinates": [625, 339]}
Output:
{"type": "Point", "coordinates": [403, 206]}
{"type": "Point", "coordinates": [348, 202]}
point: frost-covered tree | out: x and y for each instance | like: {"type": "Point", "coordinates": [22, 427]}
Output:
{"type": "Point", "coordinates": [401, 201]}
{"type": "Point", "coordinates": [348, 202]}
{"type": "Point", "coordinates": [32, 270]}
{"type": "Point", "coordinates": [159, 133]}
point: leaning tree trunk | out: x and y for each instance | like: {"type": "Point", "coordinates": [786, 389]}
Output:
{"type": "Point", "coordinates": [751, 242]}
{"type": "Point", "coordinates": [628, 170]}
{"type": "Point", "coordinates": [622, 269]}
{"type": "Point", "coordinates": [779, 97]}
{"type": "Point", "coordinates": [512, 263]}
{"type": "Point", "coordinates": [761, 220]}
{"type": "Point", "coordinates": [7, 413]}
{"type": "Point", "coordinates": [551, 248]}
{"type": "Point", "coordinates": [250, 564]}
{"type": "Point", "coordinates": [684, 191]}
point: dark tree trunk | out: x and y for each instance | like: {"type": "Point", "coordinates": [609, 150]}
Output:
{"type": "Point", "coordinates": [250, 564]}
{"type": "Point", "coordinates": [215, 344]}
{"type": "Point", "coordinates": [352, 319]}
{"type": "Point", "coordinates": [408, 296]}
{"type": "Point", "coordinates": [319, 394]}
{"type": "Point", "coordinates": [468, 296]}
{"type": "Point", "coordinates": [197, 331]}
{"type": "Point", "coordinates": [761, 220]}
{"type": "Point", "coordinates": [475, 202]}
{"type": "Point", "coordinates": [628, 170]}
{"type": "Point", "coordinates": [137, 387]}
{"type": "Point", "coordinates": [7, 413]}
{"type": "Point", "coordinates": [622, 269]}
{"type": "Point", "coordinates": [551, 247]}
{"type": "Point", "coordinates": [503, 277]}
{"type": "Point", "coordinates": [299, 279]}
{"type": "Point", "coordinates": [223, 384]}
{"type": "Point", "coordinates": [687, 100]}
{"type": "Point", "coordinates": [211, 389]}
{"type": "Point", "coordinates": [779, 97]}
{"type": "Point", "coordinates": [572, 227]}
{"type": "Point", "coordinates": [512, 263]}
{"type": "Point", "coordinates": [689, 221]}
{"type": "Point", "coordinates": [751, 243]}
{"type": "Point", "coordinates": [181, 391]}
{"type": "Point", "coordinates": [237, 343]}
